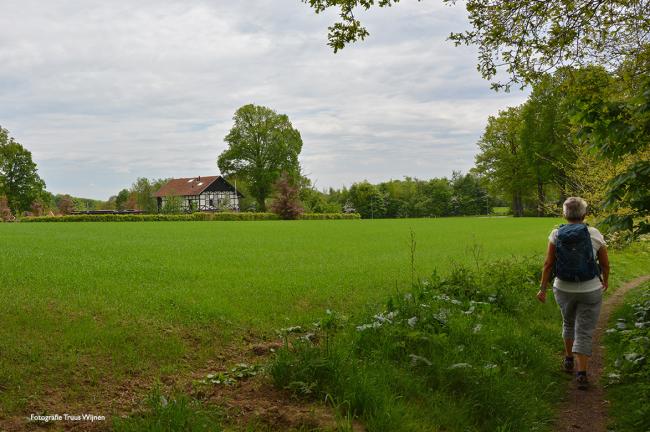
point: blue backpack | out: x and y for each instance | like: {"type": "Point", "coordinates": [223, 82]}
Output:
{"type": "Point", "coordinates": [574, 256]}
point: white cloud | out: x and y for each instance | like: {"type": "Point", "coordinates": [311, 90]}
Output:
{"type": "Point", "coordinates": [103, 92]}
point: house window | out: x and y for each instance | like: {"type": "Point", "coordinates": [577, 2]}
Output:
{"type": "Point", "coordinates": [211, 202]}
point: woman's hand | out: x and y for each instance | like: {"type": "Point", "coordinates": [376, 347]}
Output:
{"type": "Point", "coordinates": [603, 260]}
{"type": "Point", "coordinates": [549, 262]}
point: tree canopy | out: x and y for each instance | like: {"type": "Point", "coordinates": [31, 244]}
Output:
{"type": "Point", "coordinates": [19, 179]}
{"type": "Point", "coordinates": [502, 160]}
{"type": "Point", "coordinates": [613, 116]}
{"type": "Point", "coordinates": [527, 38]}
{"type": "Point", "coordinates": [261, 145]}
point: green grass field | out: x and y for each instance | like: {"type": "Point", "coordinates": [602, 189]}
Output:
{"type": "Point", "coordinates": [87, 305]}
{"type": "Point", "coordinates": [260, 273]}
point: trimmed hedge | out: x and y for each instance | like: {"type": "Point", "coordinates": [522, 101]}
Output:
{"type": "Point", "coordinates": [329, 216]}
{"type": "Point", "coordinates": [225, 216]}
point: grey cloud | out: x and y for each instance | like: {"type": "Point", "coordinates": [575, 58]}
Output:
{"type": "Point", "coordinates": [104, 92]}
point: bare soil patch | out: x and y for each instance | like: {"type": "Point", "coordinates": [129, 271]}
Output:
{"type": "Point", "coordinates": [587, 410]}
{"type": "Point", "coordinates": [256, 402]}
{"type": "Point", "coordinates": [252, 401]}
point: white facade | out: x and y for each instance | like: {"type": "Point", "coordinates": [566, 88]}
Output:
{"type": "Point", "coordinates": [207, 201]}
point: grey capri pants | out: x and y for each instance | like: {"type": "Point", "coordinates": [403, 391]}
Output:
{"type": "Point", "coordinates": [579, 315]}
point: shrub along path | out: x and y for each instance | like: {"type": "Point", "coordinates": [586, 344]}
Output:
{"type": "Point", "coordinates": [587, 410]}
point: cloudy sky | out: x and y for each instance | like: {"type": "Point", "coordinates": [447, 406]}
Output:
{"type": "Point", "coordinates": [103, 92]}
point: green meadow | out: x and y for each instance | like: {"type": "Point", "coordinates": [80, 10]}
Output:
{"type": "Point", "coordinates": [86, 306]}
{"type": "Point", "coordinates": [259, 274]}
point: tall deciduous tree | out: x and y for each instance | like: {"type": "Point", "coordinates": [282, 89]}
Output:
{"type": "Point", "coordinates": [121, 199]}
{"type": "Point", "coordinates": [546, 136]}
{"type": "Point", "coordinates": [19, 179]}
{"type": "Point", "coordinates": [261, 145]}
{"type": "Point", "coordinates": [502, 160]}
{"type": "Point", "coordinates": [527, 37]}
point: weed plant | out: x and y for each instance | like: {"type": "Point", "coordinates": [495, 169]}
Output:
{"type": "Point", "coordinates": [179, 413]}
{"type": "Point", "coordinates": [468, 351]}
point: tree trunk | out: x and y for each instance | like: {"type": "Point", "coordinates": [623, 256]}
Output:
{"type": "Point", "coordinates": [563, 190]}
{"type": "Point", "coordinates": [517, 208]}
{"type": "Point", "coordinates": [261, 204]}
{"type": "Point", "coordinates": [541, 199]}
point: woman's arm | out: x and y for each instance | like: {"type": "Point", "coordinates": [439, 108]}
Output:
{"type": "Point", "coordinates": [546, 272]}
{"type": "Point", "coordinates": [603, 260]}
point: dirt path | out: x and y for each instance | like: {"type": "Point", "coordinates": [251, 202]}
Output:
{"type": "Point", "coordinates": [587, 410]}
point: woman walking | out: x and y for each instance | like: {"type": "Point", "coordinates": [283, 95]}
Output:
{"type": "Point", "coordinates": [579, 284]}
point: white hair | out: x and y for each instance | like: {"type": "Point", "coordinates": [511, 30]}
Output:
{"type": "Point", "coordinates": [574, 208]}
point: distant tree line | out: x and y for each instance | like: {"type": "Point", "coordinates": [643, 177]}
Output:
{"type": "Point", "coordinates": [460, 195]}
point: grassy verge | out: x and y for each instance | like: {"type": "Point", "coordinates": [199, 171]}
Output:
{"type": "Point", "coordinates": [629, 262]}
{"type": "Point", "coordinates": [470, 351]}
{"type": "Point", "coordinates": [627, 369]}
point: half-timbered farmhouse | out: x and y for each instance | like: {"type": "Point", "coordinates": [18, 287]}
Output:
{"type": "Point", "coordinates": [199, 194]}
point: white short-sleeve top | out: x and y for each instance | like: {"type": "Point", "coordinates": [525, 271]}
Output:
{"type": "Point", "coordinates": [597, 241]}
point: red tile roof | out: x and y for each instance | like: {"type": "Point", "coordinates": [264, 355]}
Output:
{"type": "Point", "coordinates": [185, 186]}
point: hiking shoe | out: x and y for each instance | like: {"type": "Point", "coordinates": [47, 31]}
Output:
{"type": "Point", "coordinates": [567, 364]}
{"type": "Point", "coordinates": [582, 382]}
